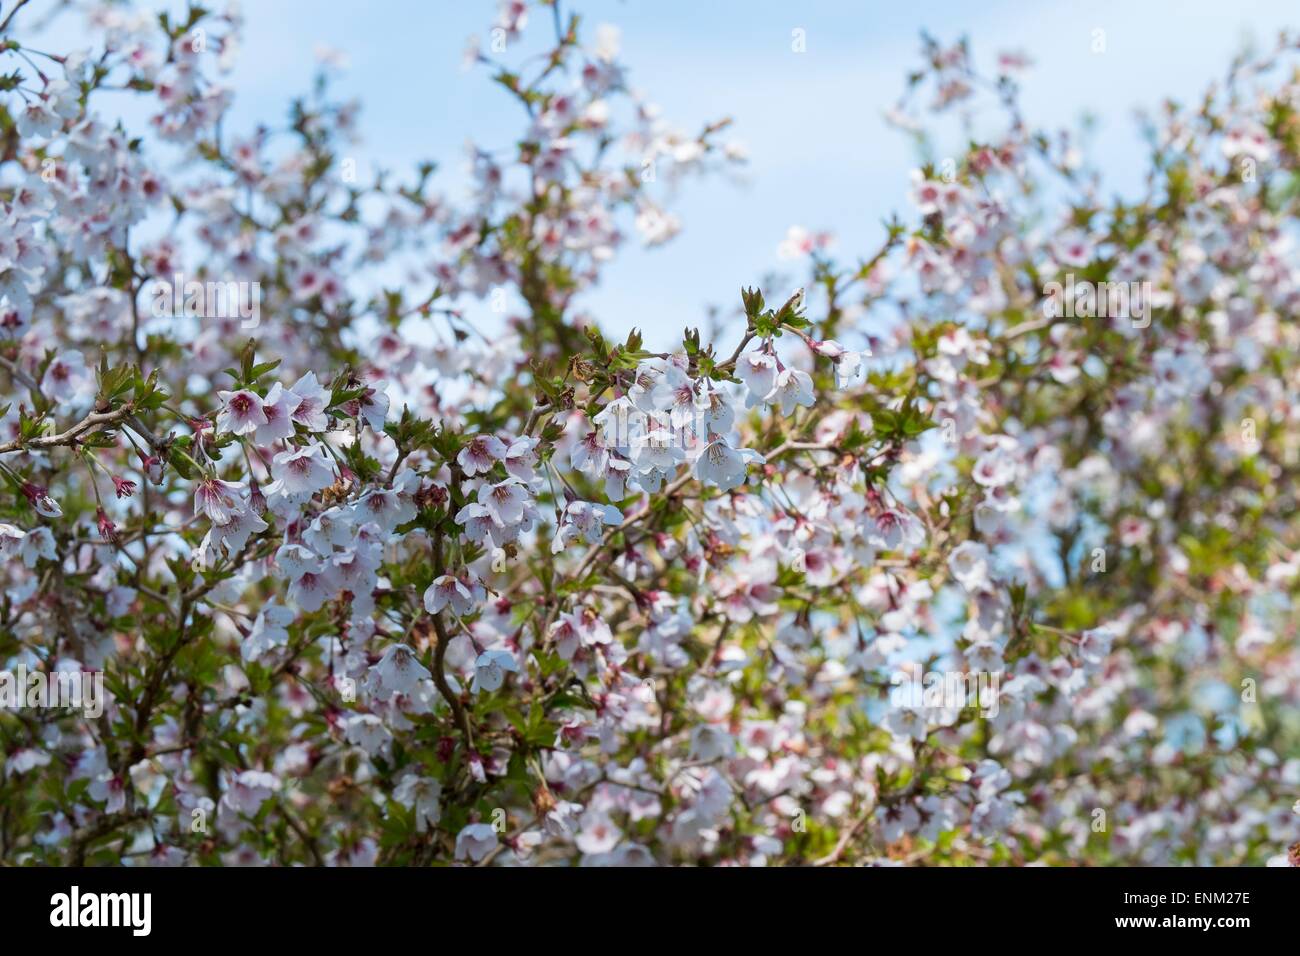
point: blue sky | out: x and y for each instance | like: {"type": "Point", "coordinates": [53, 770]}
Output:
{"type": "Point", "coordinates": [820, 153]}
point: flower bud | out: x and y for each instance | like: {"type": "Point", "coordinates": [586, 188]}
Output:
{"type": "Point", "coordinates": [107, 530]}
{"type": "Point", "coordinates": [41, 501]}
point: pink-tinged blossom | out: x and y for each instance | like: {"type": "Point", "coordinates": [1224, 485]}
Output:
{"type": "Point", "coordinates": [67, 379]}
{"type": "Point", "coordinates": [994, 468]}
{"type": "Point", "coordinates": [480, 527]}
{"type": "Point", "coordinates": [449, 591]}
{"type": "Point", "coordinates": [793, 388]}
{"type": "Point", "coordinates": [372, 406]}
{"type": "Point", "coordinates": [520, 458]}
{"type": "Point", "coordinates": [480, 454]}
{"type": "Point", "coordinates": [586, 521]}
{"type": "Point", "coordinates": [220, 501]}
{"type": "Point", "coordinates": [38, 544]}
{"type": "Point", "coordinates": [384, 507]}
{"type": "Point", "coordinates": [248, 790]}
{"type": "Point", "coordinates": [11, 538]}
{"type": "Point", "coordinates": [475, 841]}
{"type": "Point", "coordinates": [278, 408]}
{"type": "Point", "coordinates": [800, 242]}
{"type": "Point", "coordinates": [316, 584]}
{"type": "Point", "coordinates": [758, 371]}
{"type": "Point", "coordinates": [110, 789]}
{"type": "Point", "coordinates": [25, 759]}
{"type": "Point", "coordinates": [504, 501]}
{"type": "Point", "coordinates": [399, 671]}
{"type": "Point", "coordinates": [423, 796]}
{"type": "Point", "coordinates": [312, 402]}
{"type": "Point", "coordinates": [241, 412]}
{"type": "Point", "coordinates": [589, 452]}
{"type": "Point", "coordinates": [368, 732]}
{"type": "Point", "coordinates": [969, 563]}
{"type": "Point", "coordinates": [301, 472]}
{"type": "Point", "coordinates": [895, 529]}
{"type": "Point", "coordinates": [269, 631]}
{"type": "Point", "coordinates": [723, 466]}
{"type": "Point", "coordinates": [490, 670]}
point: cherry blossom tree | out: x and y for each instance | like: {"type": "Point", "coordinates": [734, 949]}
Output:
{"type": "Point", "coordinates": [371, 578]}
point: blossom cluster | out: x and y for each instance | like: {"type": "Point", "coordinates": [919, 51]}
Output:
{"type": "Point", "coordinates": [447, 575]}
